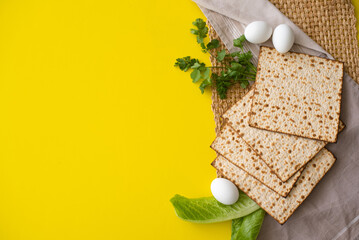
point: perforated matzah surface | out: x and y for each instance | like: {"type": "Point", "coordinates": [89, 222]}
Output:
{"type": "Point", "coordinates": [284, 154]}
{"type": "Point", "coordinates": [235, 149]}
{"type": "Point", "coordinates": [297, 94]}
{"type": "Point", "coordinates": [278, 207]}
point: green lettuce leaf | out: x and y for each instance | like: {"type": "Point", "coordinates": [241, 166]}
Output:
{"type": "Point", "coordinates": [247, 227]}
{"type": "Point", "coordinates": [209, 210]}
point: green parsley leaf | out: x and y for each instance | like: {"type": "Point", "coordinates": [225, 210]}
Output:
{"type": "Point", "coordinates": [194, 31]}
{"type": "Point", "coordinates": [235, 66]}
{"type": "Point", "coordinates": [196, 65]}
{"type": "Point", "coordinates": [202, 67]}
{"type": "Point", "coordinates": [195, 75]}
{"type": "Point", "coordinates": [221, 55]}
{"type": "Point", "coordinates": [205, 83]}
{"type": "Point", "coordinates": [232, 73]}
{"type": "Point", "coordinates": [199, 39]}
{"type": "Point", "coordinates": [199, 23]}
{"type": "Point", "coordinates": [203, 46]}
{"type": "Point", "coordinates": [213, 44]}
{"type": "Point", "coordinates": [206, 73]}
{"type": "Point", "coordinates": [222, 88]}
{"type": "Point", "coordinates": [238, 69]}
{"type": "Point", "coordinates": [242, 57]}
{"type": "Point", "coordinates": [185, 63]}
{"type": "Point", "coordinates": [244, 83]}
{"type": "Point", "coordinates": [201, 30]}
{"type": "Point", "coordinates": [239, 41]}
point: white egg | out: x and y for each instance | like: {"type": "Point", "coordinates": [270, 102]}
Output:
{"type": "Point", "coordinates": [224, 191]}
{"type": "Point", "coordinates": [283, 38]}
{"type": "Point", "coordinates": [258, 32]}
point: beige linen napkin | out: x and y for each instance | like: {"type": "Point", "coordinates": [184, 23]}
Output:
{"type": "Point", "coordinates": [332, 209]}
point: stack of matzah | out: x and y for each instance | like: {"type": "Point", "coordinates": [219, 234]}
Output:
{"type": "Point", "coordinates": [272, 143]}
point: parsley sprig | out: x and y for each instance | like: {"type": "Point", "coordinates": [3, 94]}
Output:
{"type": "Point", "coordinates": [237, 67]}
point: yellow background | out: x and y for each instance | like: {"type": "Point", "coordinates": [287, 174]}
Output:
{"type": "Point", "coordinates": [98, 130]}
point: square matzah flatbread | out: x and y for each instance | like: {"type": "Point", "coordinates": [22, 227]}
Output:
{"type": "Point", "coordinates": [236, 150]}
{"type": "Point", "coordinates": [284, 154]}
{"type": "Point", "coordinates": [278, 207]}
{"type": "Point", "coordinates": [297, 94]}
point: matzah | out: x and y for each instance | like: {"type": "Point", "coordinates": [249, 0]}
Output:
{"type": "Point", "coordinates": [284, 154]}
{"type": "Point", "coordinates": [297, 94]}
{"type": "Point", "coordinates": [278, 207]}
{"type": "Point", "coordinates": [236, 150]}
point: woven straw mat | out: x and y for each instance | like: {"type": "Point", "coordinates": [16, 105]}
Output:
{"type": "Point", "coordinates": [330, 23]}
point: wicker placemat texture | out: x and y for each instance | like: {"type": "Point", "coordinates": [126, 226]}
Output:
{"type": "Point", "coordinates": [331, 23]}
